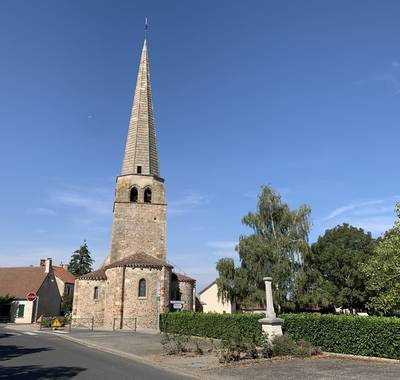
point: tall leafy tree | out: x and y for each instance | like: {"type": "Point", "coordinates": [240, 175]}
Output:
{"type": "Point", "coordinates": [332, 273]}
{"type": "Point", "coordinates": [275, 248]}
{"type": "Point", "coordinates": [6, 299]}
{"type": "Point", "coordinates": [81, 261]}
{"type": "Point", "coordinates": [382, 271]}
{"type": "Point", "coordinates": [66, 303]}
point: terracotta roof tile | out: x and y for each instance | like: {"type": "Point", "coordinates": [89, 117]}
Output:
{"type": "Point", "coordinates": [18, 282]}
{"type": "Point", "coordinates": [182, 278]}
{"type": "Point", "coordinates": [140, 260]}
{"type": "Point", "coordinates": [99, 274]}
{"type": "Point", "coordinates": [64, 275]}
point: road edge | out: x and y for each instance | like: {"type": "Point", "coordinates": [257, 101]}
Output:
{"type": "Point", "coordinates": [127, 355]}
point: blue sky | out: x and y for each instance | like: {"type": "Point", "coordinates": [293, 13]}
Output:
{"type": "Point", "coordinates": [303, 95]}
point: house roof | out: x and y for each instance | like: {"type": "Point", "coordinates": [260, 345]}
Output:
{"type": "Point", "coordinates": [182, 278]}
{"type": "Point", "coordinates": [138, 260]}
{"type": "Point", "coordinates": [208, 287]}
{"type": "Point", "coordinates": [18, 282]}
{"type": "Point", "coordinates": [64, 275]}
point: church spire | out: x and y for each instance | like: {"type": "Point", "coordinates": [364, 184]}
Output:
{"type": "Point", "coordinates": [141, 146]}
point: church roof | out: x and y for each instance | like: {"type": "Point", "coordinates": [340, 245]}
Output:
{"type": "Point", "coordinates": [99, 274]}
{"type": "Point", "coordinates": [18, 282]}
{"type": "Point", "coordinates": [141, 145]}
{"type": "Point", "coordinates": [182, 277]}
{"type": "Point", "coordinates": [138, 260]}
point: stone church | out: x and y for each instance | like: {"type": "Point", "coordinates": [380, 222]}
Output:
{"type": "Point", "coordinates": [136, 283]}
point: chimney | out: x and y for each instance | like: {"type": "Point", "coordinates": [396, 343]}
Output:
{"type": "Point", "coordinates": [47, 265]}
{"type": "Point", "coordinates": [64, 266]}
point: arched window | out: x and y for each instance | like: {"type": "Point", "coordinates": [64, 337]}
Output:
{"type": "Point", "coordinates": [134, 194]}
{"type": "Point", "coordinates": [147, 195]}
{"type": "Point", "coordinates": [142, 287]}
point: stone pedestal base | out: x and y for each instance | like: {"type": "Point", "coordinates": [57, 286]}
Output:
{"type": "Point", "coordinates": [272, 327]}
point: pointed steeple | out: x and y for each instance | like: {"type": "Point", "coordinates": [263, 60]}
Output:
{"type": "Point", "coordinates": [141, 146]}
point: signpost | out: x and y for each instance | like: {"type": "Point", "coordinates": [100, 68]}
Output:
{"type": "Point", "coordinates": [31, 296]}
{"type": "Point", "coordinates": [177, 305]}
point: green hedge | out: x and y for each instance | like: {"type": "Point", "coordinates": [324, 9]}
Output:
{"type": "Point", "coordinates": [213, 325]}
{"type": "Point", "coordinates": [368, 336]}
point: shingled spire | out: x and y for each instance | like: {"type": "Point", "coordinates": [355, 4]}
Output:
{"type": "Point", "coordinates": [141, 146]}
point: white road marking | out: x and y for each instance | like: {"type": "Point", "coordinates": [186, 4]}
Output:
{"type": "Point", "coordinates": [29, 333]}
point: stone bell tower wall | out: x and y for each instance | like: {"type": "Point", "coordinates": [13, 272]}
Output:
{"type": "Point", "coordinates": [139, 227]}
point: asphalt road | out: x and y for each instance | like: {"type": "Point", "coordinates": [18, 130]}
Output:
{"type": "Point", "coordinates": [28, 355]}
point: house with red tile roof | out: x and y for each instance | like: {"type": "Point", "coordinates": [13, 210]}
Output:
{"type": "Point", "coordinates": [65, 280]}
{"type": "Point", "coordinates": [17, 282]}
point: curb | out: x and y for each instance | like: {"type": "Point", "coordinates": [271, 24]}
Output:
{"type": "Point", "coordinates": [126, 355]}
{"type": "Point", "coordinates": [360, 357]}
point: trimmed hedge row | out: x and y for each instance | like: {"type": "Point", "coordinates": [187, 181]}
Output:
{"type": "Point", "coordinates": [367, 336]}
{"type": "Point", "coordinates": [213, 325]}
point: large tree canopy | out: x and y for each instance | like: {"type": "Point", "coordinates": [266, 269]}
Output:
{"type": "Point", "coordinates": [332, 273]}
{"type": "Point", "coordinates": [275, 248]}
{"type": "Point", "coordinates": [81, 261]}
{"type": "Point", "coordinates": [383, 271]}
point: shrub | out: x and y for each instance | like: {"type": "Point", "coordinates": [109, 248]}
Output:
{"type": "Point", "coordinates": [285, 346]}
{"type": "Point", "coordinates": [236, 349]}
{"type": "Point", "coordinates": [347, 334]}
{"type": "Point", "coordinates": [213, 325]}
{"type": "Point", "coordinates": [174, 343]}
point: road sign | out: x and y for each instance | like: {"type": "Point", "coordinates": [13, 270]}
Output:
{"type": "Point", "coordinates": [31, 296]}
{"type": "Point", "coordinates": [177, 302]}
{"type": "Point", "coordinates": [177, 306]}
{"type": "Point", "coordinates": [56, 323]}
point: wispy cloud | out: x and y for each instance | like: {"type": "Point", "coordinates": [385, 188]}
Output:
{"type": "Point", "coordinates": [223, 248]}
{"type": "Point", "coordinates": [95, 201]}
{"type": "Point", "coordinates": [376, 216]}
{"type": "Point", "coordinates": [31, 255]}
{"type": "Point", "coordinates": [389, 75]}
{"type": "Point", "coordinates": [222, 244]}
{"type": "Point", "coordinates": [186, 204]}
{"type": "Point", "coordinates": [41, 211]}
{"type": "Point", "coordinates": [350, 207]}
{"type": "Point", "coordinates": [204, 275]}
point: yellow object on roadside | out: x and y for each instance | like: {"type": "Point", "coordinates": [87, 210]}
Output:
{"type": "Point", "coordinates": [56, 323]}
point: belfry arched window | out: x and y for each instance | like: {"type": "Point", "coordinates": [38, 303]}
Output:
{"type": "Point", "coordinates": [134, 195]}
{"type": "Point", "coordinates": [147, 195]}
{"type": "Point", "coordinates": [142, 288]}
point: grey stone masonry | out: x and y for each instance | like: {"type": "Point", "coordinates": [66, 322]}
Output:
{"type": "Point", "coordinates": [141, 146]}
{"type": "Point", "coordinates": [139, 227]}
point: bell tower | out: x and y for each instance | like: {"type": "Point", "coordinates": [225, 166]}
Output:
{"type": "Point", "coordinates": [139, 216]}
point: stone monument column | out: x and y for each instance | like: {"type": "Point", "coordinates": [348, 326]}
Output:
{"type": "Point", "coordinates": [271, 325]}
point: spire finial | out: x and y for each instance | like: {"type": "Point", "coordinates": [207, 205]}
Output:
{"type": "Point", "coordinates": [146, 26]}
